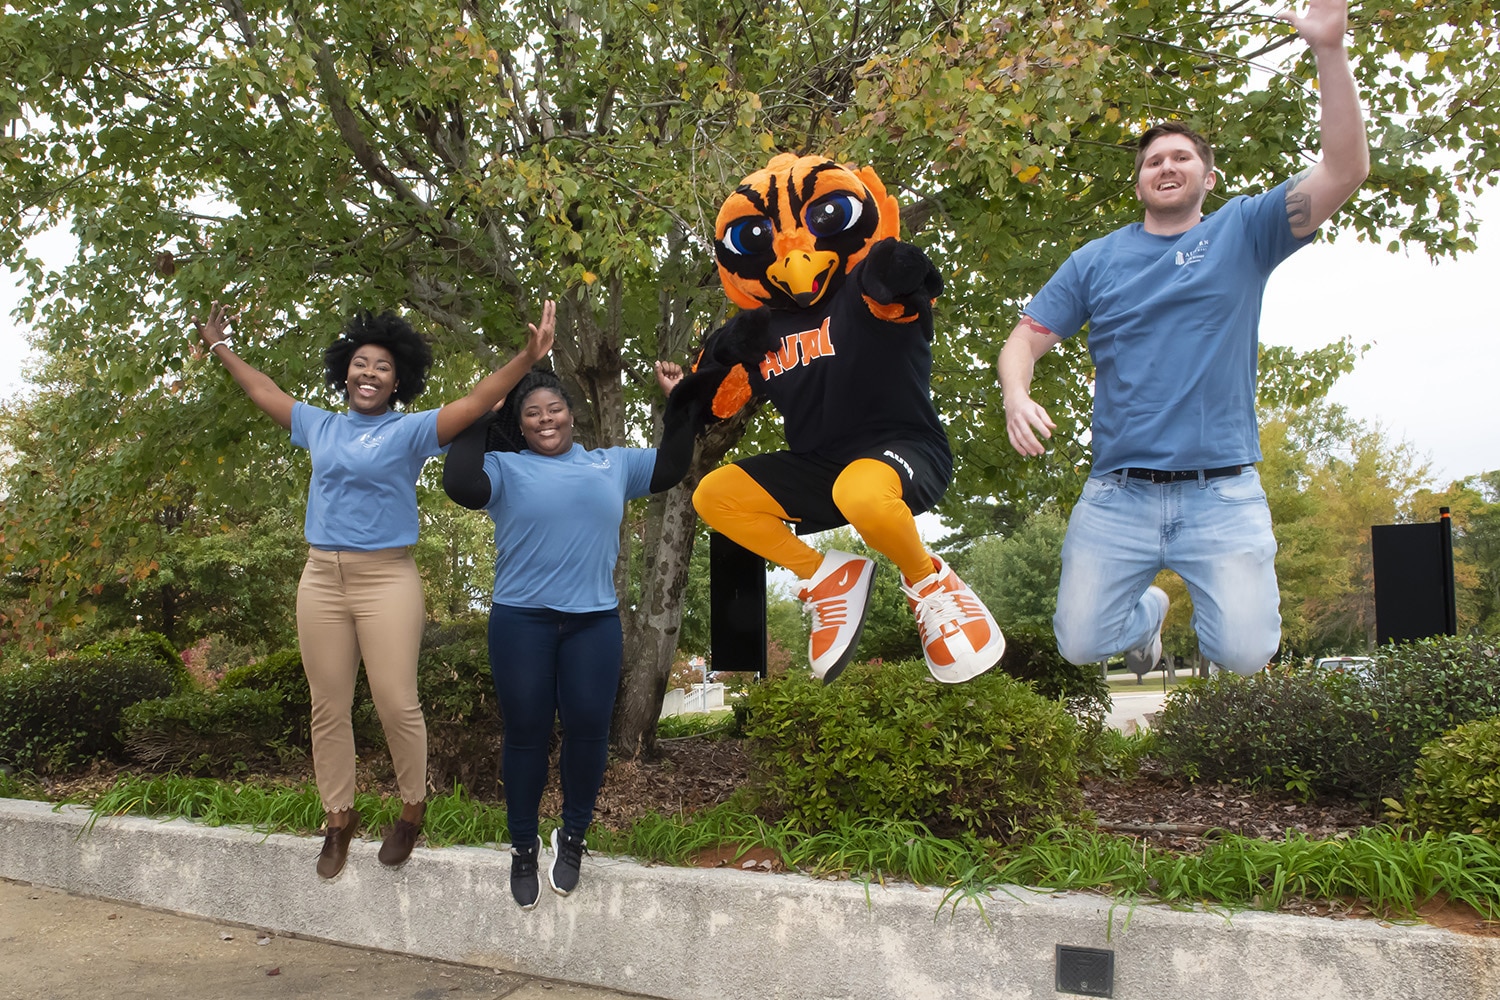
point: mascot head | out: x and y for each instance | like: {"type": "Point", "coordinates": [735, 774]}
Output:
{"type": "Point", "coordinates": [791, 231]}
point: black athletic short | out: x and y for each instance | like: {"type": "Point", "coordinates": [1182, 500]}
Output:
{"type": "Point", "coordinates": [803, 484]}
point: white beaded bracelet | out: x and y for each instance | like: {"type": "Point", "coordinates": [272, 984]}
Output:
{"type": "Point", "coordinates": [226, 342]}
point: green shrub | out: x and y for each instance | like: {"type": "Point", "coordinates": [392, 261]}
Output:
{"type": "Point", "coordinates": [1456, 785]}
{"type": "Point", "coordinates": [1317, 732]}
{"type": "Point", "coordinates": [1279, 730]}
{"type": "Point", "coordinates": [458, 701]}
{"type": "Point", "coordinates": [1031, 655]}
{"type": "Point", "coordinates": [989, 756]}
{"type": "Point", "coordinates": [56, 714]}
{"type": "Point", "coordinates": [205, 732]}
{"type": "Point", "coordinates": [282, 674]}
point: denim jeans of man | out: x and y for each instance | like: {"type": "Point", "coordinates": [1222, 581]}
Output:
{"type": "Point", "coordinates": [1214, 533]}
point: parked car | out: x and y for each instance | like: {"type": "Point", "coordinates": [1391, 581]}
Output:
{"type": "Point", "coordinates": [1355, 666]}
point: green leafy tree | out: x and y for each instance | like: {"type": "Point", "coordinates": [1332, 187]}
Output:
{"type": "Point", "coordinates": [464, 161]}
{"type": "Point", "coordinates": [1328, 479]}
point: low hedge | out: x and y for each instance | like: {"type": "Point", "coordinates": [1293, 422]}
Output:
{"type": "Point", "coordinates": [206, 732]}
{"type": "Point", "coordinates": [989, 756]}
{"type": "Point", "coordinates": [1315, 732]}
{"type": "Point", "coordinates": [60, 713]}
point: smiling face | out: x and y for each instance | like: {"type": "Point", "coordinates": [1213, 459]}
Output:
{"type": "Point", "coordinates": [371, 380]}
{"type": "Point", "coordinates": [546, 422]}
{"type": "Point", "coordinates": [1173, 179]}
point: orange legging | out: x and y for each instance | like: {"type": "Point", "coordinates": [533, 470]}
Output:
{"type": "Point", "coordinates": [867, 493]}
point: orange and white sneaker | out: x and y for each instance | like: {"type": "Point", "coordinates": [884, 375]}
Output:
{"type": "Point", "coordinates": [838, 595]}
{"type": "Point", "coordinates": [959, 636]}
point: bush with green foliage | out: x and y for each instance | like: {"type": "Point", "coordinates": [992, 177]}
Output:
{"type": "Point", "coordinates": [1314, 732]}
{"type": "Point", "coordinates": [205, 732]}
{"type": "Point", "coordinates": [1031, 655]}
{"type": "Point", "coordinates": [1456, 784]}
{"type": "Point", "coordinates": [458, 701]}
{"type": "Point", "coordinates": [59, 713]}
{"type": "Point", "coordinates": [989, 756]}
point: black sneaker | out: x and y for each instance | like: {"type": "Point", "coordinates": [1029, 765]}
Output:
{"type": "Point", "coordinates": [567, 858]}
{"type": "Point", "coordinates": [523, 880]}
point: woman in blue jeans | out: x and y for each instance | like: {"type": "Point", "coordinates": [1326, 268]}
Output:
{"type": "Point", "coordinates": [554, 634]}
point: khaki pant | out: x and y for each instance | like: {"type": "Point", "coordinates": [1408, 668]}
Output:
{"type": "Point", "coordinates": [370, 603]}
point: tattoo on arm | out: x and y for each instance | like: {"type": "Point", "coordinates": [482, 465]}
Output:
{"type": "Point", "coordinates": [1298, 203]}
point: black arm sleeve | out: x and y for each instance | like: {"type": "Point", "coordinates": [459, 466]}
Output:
{"type": "Point", "coordinates": [680, 425]}
{"type": "Point", "coordinates": [464, 479]}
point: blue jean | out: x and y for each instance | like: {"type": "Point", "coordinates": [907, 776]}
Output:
{"type": "Point", "coordinates": [1214, 533]}
{"type": "Point", "coordinates": [548, 664]}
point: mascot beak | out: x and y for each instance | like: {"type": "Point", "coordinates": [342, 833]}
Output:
{"type": "Point", "coordinates": [803, 274]}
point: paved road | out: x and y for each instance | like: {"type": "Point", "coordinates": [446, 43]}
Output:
{"type": "Point", "coordinates": [57, 946]}
{"type": "Point", "coordinates": [1128, 709]}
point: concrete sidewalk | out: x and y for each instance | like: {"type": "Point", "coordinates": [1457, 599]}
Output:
{"type": "Point", "coordinates": [61, 946]}
{"type": "Point", "coordinates": [691, 934]}
{"type": "Point", "coordinates": [1129, 709]}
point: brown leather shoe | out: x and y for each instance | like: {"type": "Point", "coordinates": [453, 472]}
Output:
{"type": "Point", "coordinates": [336, 846]}
{"type": "Point", "coordinates": [396, 847]}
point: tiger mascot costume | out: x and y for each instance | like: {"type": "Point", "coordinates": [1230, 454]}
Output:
{"type": "Point", "coordinates": [836, 332]}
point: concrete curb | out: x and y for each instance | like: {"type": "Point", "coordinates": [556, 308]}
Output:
{"type": "Point", "coordinates": [688, 934]}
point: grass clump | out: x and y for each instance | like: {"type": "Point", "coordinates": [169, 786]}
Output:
{"type": "Point", "coordinates": [1393, 871]}
{"type": "Point", "coordinates": [989, 756]}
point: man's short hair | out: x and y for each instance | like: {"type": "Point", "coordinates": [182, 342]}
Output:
{"type": "Point", "coordinates": [1205, 151]}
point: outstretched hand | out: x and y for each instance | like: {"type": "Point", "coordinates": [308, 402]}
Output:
{"type": "Point", "coordinates": [1323, 26]}
{"type": "Point", "coordinates": [215, 330]}
{"type": "Point", "coordinates": [668, 374]}
{"type": "Point", "coordinates": [539, 336]}
{"type": "Point", "coordinates": [1027, 422]}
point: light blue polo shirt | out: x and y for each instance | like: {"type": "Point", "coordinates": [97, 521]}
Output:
{"type": "Point", "coordinates": [1174, 332]}
{"type": "Point", "coordinates": [363, 494]}
{"type": "Point", "coordinates": [557, 523]}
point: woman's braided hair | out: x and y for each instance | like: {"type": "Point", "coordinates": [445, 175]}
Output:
{"type": "Point", "coordinates": [412, 355]}
{"type": "Point", "coordinates": [505, 433]}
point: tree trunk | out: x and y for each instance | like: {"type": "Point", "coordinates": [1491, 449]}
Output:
{"type": "Point", "coordinates": [652, 626]}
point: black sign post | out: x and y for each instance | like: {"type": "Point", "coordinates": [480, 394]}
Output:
{"type": "Point", "coordinates": [1414, 592]}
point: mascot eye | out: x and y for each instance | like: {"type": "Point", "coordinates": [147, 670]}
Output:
{"type": "Point", "coordinates": [834, 214]}
{"type": "Point", "coordinates": [748, 237]}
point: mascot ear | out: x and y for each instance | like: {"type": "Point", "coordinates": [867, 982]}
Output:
{"type": "Point", "coordinates": [890, 211]}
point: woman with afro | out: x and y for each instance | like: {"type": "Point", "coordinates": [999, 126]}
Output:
{"type": "Point", "coordinates": [360, 595]}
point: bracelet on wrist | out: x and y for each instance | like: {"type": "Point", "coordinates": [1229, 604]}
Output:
{"type": "Point", "coordinates": [226, 342]}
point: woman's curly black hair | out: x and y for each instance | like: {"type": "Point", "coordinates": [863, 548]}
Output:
{"type": "Point", "coordinates": [412, 354]}
{"type": "Point", "coordinates": [505, 432]}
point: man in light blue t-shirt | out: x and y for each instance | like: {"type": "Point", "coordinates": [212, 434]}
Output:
{"type": "Point", "coordinates": [1172, 304]}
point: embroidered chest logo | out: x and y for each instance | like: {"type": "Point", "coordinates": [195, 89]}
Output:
{"type": "Point", "coordinates": [798, 349]}
{"type": "Point", "coordinates": [370, 440]}
{"type": "Point", "coordinates": [603, 463]}
{"type": "Point", "coordinates": [1194, 255]}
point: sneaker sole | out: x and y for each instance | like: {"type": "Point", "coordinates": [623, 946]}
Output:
{"type": "Point", "coordinates": [831, 674]}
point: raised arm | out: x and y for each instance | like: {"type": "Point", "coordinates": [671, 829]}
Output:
{"type": "Point", "coordinates": [674, 455]}
{"type": "Point", "coordinates": [491, 389]}
{"type": "Point", "coordinates": [1315, 194]}
{"type": "Point", "coordinates": [464, 478]}
{"type": "Point", "coordinates": [263, 392]}
{"type": "Point", "coordinates": [1024, 417]}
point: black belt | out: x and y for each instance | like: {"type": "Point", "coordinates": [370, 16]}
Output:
{"type": "Point", "coordinates": [1162, 476]}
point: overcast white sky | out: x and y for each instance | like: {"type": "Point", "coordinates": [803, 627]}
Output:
{"type": "Point", "coordinates": [1429, 379]}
